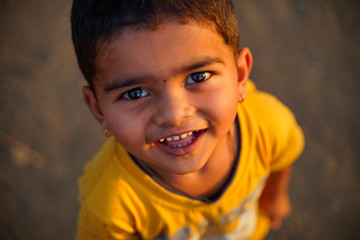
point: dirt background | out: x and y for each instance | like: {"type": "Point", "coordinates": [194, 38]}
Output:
{"type": "Point", "coordinates": [305, 52]}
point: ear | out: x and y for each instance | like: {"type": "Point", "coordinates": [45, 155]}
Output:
{"type": "Point", "coordinates": [93, 105]}
{"type": "Point", "coordinates": [244, 64]}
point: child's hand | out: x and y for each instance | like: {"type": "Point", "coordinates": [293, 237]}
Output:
{"type": "Point", "coordinates": [276, 207]}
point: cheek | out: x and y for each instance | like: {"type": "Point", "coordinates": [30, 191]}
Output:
{"type": "Point", "coordinates": [228, 102]}
{"type": "Point", "coordinates": [221, 108]}
{"type": "Point", "coordinates": [227, 109]}
{"type": "Point", "coordinates": [127, 128]}
{"type": "Point", "coordinates": [223, 101]}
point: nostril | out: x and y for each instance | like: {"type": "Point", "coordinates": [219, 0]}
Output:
{"type": "Point", "coordinates": [173, 113]}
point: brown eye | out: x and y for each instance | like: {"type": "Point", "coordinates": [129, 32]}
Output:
{"type": "Point", "coordinates": [135, 93]}
{"type": "Point", "coordinates": [198, 77]}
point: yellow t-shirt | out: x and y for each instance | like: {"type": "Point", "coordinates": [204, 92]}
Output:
{"type": "Point", "coordinates": [119, 200]}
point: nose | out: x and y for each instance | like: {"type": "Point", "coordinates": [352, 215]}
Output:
{"type": "Point", "coordinates": [173, 109]}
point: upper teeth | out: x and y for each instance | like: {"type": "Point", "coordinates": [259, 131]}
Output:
{"type": "Point", "coordinates": [176, 137]}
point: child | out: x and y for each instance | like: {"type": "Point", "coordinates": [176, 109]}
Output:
{"type": "Point", "coordinates": [194, 150]}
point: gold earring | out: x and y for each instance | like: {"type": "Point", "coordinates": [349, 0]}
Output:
{"type": "Point", "coordinates": [242, 98]}
{"type": "Point", "coordinates": [106, 132]}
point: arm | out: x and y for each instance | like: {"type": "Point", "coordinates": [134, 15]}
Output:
{"type": "Point", "coordinates": [274, 200]}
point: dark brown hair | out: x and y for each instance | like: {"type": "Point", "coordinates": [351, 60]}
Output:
{"type": "Point", "coordinates": [93, 21]}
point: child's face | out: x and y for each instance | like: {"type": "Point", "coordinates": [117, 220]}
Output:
{"type": "Point", "coordinates": [169, 96]}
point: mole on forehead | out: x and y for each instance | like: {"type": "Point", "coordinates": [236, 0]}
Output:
{"type": "Point", "coordinates": [164, 81]}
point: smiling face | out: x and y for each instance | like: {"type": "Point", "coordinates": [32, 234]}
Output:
{"type": "Point", "coordinates": [169, 96]}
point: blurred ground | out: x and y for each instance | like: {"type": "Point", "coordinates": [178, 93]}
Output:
{"type": "Point", "coordinates": [305, 52]}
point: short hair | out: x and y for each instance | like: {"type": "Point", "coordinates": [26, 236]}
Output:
{"type": "Point", "coordinates": [95, 21]}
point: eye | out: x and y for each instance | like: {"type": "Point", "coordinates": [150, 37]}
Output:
{"type": "Point", "coordinates": [198, 77]}
{"type": "Point", "coordinates": [135, 93]}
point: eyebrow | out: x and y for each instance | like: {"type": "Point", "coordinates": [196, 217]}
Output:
{"type": "Point", "coordinates": [126, 82]}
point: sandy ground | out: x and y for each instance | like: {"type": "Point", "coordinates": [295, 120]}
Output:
{"type": "Point", "coordinates": [305, 52]}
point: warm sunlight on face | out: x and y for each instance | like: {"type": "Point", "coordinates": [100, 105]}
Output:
{"type": "Point", "coordinates": [169, 96]}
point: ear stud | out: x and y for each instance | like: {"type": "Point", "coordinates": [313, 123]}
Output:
{"type": "Point", "coordinates": [106, 132]}
{"type": "Point", "coordinates": [241, 98]}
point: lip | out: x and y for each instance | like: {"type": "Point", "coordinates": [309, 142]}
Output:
{"type": "Point", "coordinates": [182, 147]}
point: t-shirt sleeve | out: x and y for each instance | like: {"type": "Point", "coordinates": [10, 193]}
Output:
{"type": "Point", "coordinates": [288, 141]}
{"type": "Point", "coordinates": [103, 214]}
{"type": "Point", "coordinates": [90, 227]}
{"type": "Point", "coordinates": [284, 137]}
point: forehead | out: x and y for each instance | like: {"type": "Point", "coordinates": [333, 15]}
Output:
{"type": "Point", "coordinates": [157, 51]}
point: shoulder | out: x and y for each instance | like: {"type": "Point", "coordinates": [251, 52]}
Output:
{"type": "Point", "coordinates": [96, 167]}
{"type": "Point", "coordinates": [277, 126]}
{"type": "Point", "coordinates": [270, 111]}
{"type": "Point", "coordinates": [104, 184]}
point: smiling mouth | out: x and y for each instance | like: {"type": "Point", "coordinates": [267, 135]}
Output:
{"type": "Point", "coordinates": [182, 140]}
{"type": "Point", "coordinates": [181, 144]}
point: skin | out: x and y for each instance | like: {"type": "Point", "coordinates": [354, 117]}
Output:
{"type": "Point", "coordinates": [156, 84]}
{"type": "Point", "coordinates": [275, 200]}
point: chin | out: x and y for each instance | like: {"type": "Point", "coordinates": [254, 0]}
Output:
{"type": "Point", "coordinates": [188, 168]}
